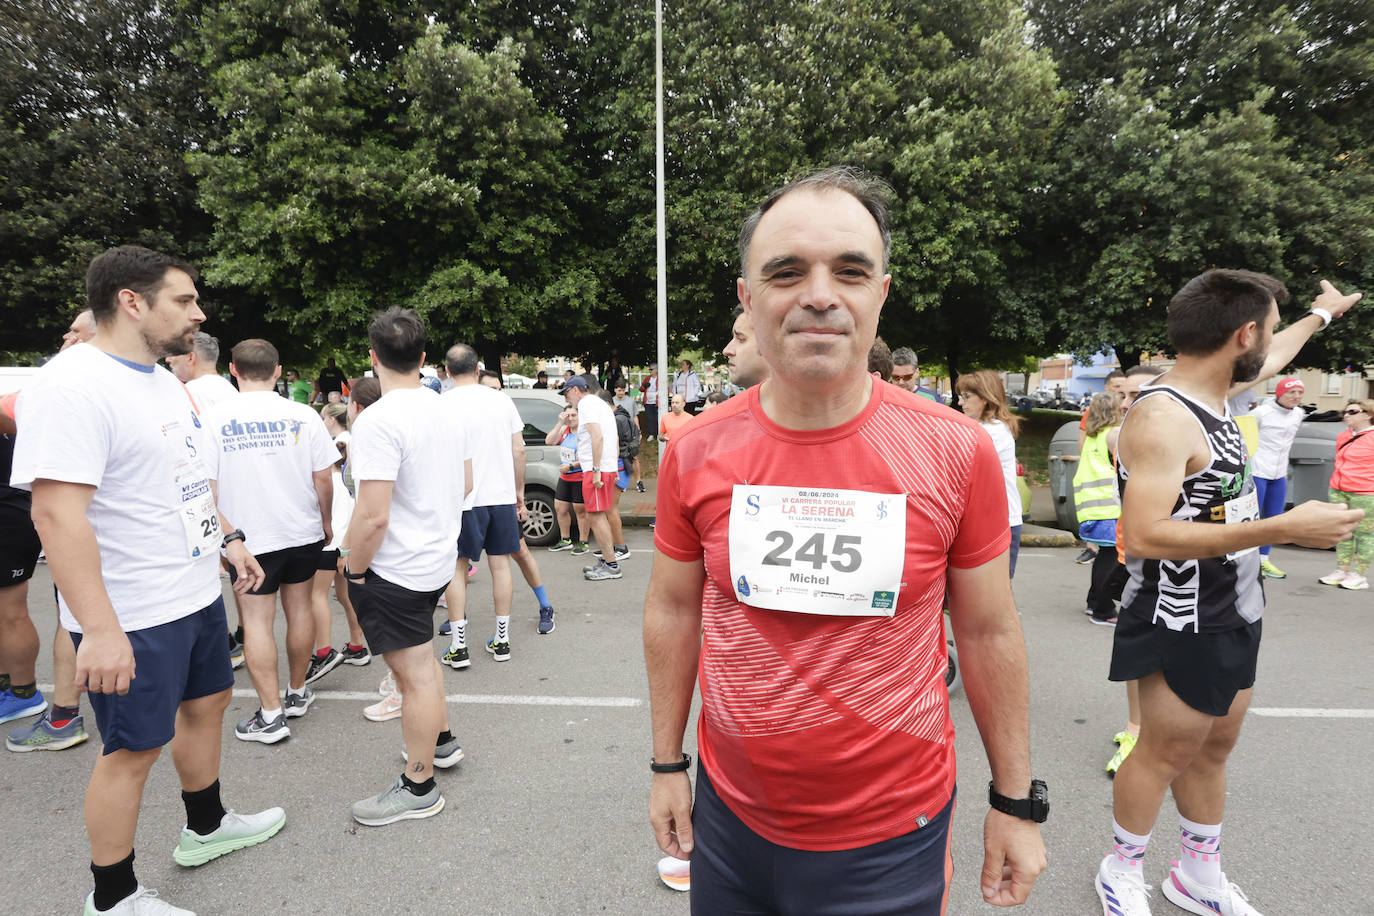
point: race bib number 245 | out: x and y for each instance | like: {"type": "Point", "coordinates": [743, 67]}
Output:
{"type": "Point", "coordinates": [817, 551]}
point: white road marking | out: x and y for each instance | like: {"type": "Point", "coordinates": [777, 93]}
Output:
{"type": "Point", "coordinates": [464, 698]}
{"type": "Point", "coordinates": [1296, 712]}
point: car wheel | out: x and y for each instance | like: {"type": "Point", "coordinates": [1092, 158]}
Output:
{"type": "Point", "coordinates": [541, 523]}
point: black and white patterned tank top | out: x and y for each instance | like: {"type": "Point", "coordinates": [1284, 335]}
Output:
{"type": "Point", "coordinates": [1214, 594]}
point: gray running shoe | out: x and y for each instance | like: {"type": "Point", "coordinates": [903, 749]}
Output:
{"type": "Point", "coordinates": [254, 728]}
{"type": "Point", "coordinates": [397, 803]}
{"type": "Point", "coordinates": [446, 755]}
{"type": "Point", "coordinates": [295, 704]}
{"type": "Point", "coordinates": [44, 736]}
{"type": "Point", "coordinates": [601, 571]}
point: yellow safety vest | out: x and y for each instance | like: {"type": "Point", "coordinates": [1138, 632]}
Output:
{"type": "Point", "coordinates": [1094, 483]}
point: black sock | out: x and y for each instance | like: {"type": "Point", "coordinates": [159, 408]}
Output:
{"type": "Point", "coordinates": [4, 682]}
{"type": "Point", "coordinates": [61, 715]}
{"type": "Point", "coordinates": [24, 691]}
{"type": "Point", "coordinates": [114, 882]}
{"type": "Point", "coordinates": [444, 737]}
{"type": "Point", "coordinates": [204, 811]}
{"type": "Point", "coordinates": [418, 788]}
{"type": "Point", "coordinates": [238, 635]}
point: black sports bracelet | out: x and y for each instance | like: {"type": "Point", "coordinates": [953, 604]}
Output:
{"type": "Point", "coordinates": [680, 766]}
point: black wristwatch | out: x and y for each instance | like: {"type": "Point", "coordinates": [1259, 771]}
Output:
{"type": "Point", "coordinates": [234, 536]}
{"type": "Point", "coordinates": [1035, 808]}
{"type": "Point", "coordinates": [680, 766]}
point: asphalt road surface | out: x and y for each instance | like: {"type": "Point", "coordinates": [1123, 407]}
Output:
{"type": "Point", "coordinates": [546, 815]}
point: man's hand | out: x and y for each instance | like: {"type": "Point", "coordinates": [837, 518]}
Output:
{"type": "Point", "coordinates": [1333, 301]}
{"type": "Point", "coordinates": [248, 573]}
{"type": "Point", "coordinates": [522, 511]}
{"type": "Point", "coordinates": [105, 662]}
{"type": "Point", "coordinates": [596, 479]}
{"type": "Point", "coordinates": [1014, 856]}
{"type": "Point", "coordinates": [670, 813]}
{"type": "Point", "coordinates": [1319, 524]}
{"type": "Point", "coordinates": [328, 532]}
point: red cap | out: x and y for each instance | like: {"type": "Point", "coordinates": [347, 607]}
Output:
{"type": "Point", "coordinates": [1286, 385]}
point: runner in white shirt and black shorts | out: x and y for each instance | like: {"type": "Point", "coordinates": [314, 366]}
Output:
{"type": "Point", "coordinates": [400, 552]}
{"type": "Point", "coordinates": [273, 461]}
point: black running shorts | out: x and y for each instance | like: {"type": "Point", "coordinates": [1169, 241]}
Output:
{"type": "Point", "coordinates": [1204, 670]}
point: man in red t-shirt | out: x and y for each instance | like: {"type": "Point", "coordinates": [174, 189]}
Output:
{"type": "Point", "coordinates": [808, 532]}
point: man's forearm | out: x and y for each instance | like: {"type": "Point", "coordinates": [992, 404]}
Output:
{"type": "Point", "coordinates": [518, 458]}
{"type": "Point", "coordinates": [74, 560]}
{"type": "Point", "coordinates": [365, 533]}
{"type": "Point", "coordinates": [595, 434]}
{"type": "Point", "coordinates": [672, 646]}
{"type": "Point", "coordinates": [324, 495]}
{"type": "Point", "coordinates": [997, 684]}
{"type": "Point", "coordinates": [1179, 541]}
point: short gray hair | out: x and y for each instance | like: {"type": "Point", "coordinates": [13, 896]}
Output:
{"type": "Point", "coordinates": [874, 193]}
{"type": "Point", "coordinates": [206, 347]}
{"type": "Point", "coordinates": [904, 356]}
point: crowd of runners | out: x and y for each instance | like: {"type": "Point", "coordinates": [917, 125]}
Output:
{"type": "Point", "coordinates": [811, 535]}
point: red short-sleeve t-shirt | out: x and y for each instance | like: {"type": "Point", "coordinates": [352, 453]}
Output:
{"type": "Point", "coordinates": [824, 732]}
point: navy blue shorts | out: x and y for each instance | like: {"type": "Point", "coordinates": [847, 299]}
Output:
{"type": "Point", "coordinates": [181, 660]}
{"type": "Point", "coordinates": [737, 872]}
{"type": "Point", "coordinates": [495, 529]}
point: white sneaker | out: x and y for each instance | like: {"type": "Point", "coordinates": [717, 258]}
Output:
{"type": "Point", "coordinates": [675, 873]}
{"type": "Point", "coordinates": [1354, 582]}
{"type": "Point", "coordinates": [142, 902]}
{"type": "Point", "coordinates": [388, 684]}
{"type": "Point", "coordinates": [1333, 578]}
{"type": "Point", "coordinates": [1228, 900]}
{"type": "Point", "coordinates": [1122, 893]}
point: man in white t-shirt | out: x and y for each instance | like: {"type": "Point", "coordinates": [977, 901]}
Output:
{"type": "Point", "coordinates": [648, 390]}
{"type": "Point", "coordinates": [113, 451]}
{"type": "Point", "coordinates": [598, 448]}
{"type": "Point", "coordinates": [1278, 422]}
{"type": "Point", "coordinates": [401, 549]}
{"type": "Point", "coordinates": [493, 511]}
{"type": "Point", "coordinates": [197, 371]}
{"type": "Point", "coordinates": [272, 460]}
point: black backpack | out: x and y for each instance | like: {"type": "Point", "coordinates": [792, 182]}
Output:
{"type": "Point", "coordinates": [627, 431]}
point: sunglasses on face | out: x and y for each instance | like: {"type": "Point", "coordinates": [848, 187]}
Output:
{"type": "Point", "coordinates": [1354, 411]}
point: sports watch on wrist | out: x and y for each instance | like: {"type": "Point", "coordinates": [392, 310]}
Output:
{"type": "Point", "coordinates": [1035, 808]}
{"type": "Point", "coordinates": [234, 536]}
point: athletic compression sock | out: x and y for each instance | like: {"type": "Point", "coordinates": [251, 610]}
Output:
{"type": "Point", "coordinates": [204, 810]}
{"type": "Point", "coordinates": [418, 788]}
{"type": "Point", "coordinates": [61, 715]}
{"type": "Point", "coordinates": [503, 628]}
{"type": "Point", "coordinates": [114, 882]}
{"type": "Point", "coordinates": [1200, 858]}
{"type": "Point", "coordinates": [24, 691]}
{"type": "Point", "coordinates": [541, 596]}
{"type": "Point", "coordinates": [1128, 849]}
{"type": "Point", "coordinates": [444, 737]}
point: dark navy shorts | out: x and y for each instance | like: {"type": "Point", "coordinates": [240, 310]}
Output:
{"type": "Point", "coordinates": [19, 548]}
{"type": "Point", "coordinates": [736, 872]}
{"type": "Point", "coordinates": [495, 529]}
{"type": "Point", "coordinates": [288, 566]}
{"type": "Point", "coordinates": [180, 660]}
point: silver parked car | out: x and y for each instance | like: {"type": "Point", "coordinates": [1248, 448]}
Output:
{"type": "Point", "coordinates": [539, 409]}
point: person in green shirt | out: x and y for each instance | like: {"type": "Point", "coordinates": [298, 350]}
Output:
{"type": "Point", "coordinates": [297, 389]}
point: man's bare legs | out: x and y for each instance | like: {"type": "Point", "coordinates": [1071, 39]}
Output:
{"type": "Point", "coordinates": [260, 647]}
{"type": "Point", "coordinates": [113, 797]}
{"type": "Point", "coordinates": [601, 530]}
{"type": "Point", "coordinates": [424, 716]}
{"type": "Point", "coordinates": [613, 517]}
{"type": "Point", "coordinates": [18, 638]}
{"type": "Point", "coordinates": [196, 746]}
{"type": "Point", "coordinates": [355, 631]}
{"type": "Point", "coordinates": [320, 615]}
{"type": "Point", "coordinates": [296, 606]}
{"type": "Point", "coordinates": [1172, 734]}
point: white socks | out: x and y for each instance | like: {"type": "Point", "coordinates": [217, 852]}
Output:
{"type": "Point", "coordinates": [503, 629]}
{"type": "Point", "coordinates": [1200, 858]}
{"type": "Point", "coordinates": [1128, 849]}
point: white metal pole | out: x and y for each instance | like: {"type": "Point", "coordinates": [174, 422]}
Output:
{"type": "Point", "coordinates": [664, 371]}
